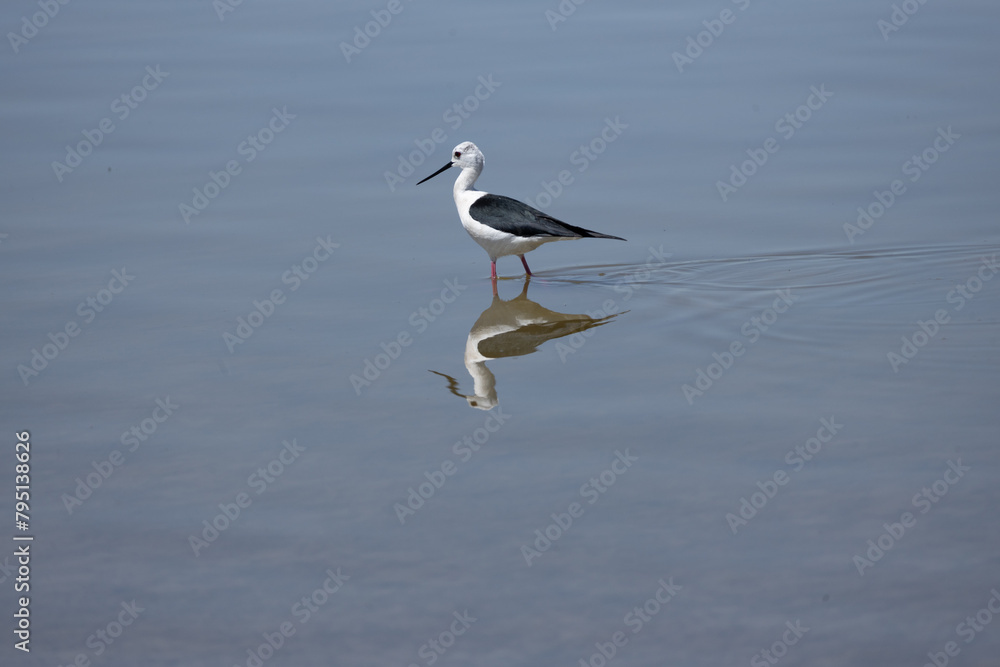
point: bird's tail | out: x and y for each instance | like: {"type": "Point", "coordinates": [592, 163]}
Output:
{"type": "Point", "coordinates": [597, 235]}
{"type": "Point", "coordinates": [586, 233]}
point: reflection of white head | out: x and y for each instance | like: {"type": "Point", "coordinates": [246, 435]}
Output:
{"type": "Point", "coordinates": [484, 383]}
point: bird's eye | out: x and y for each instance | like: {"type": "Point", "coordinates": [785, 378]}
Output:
{"type": "Point", "coordinates": [458, 153]}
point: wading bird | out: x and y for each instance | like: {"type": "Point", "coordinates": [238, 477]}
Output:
{"type": "Point", "coordinates": [501, 225]}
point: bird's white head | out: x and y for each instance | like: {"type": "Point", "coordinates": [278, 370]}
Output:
{"type": "Point", "coordinates": [466, 155]}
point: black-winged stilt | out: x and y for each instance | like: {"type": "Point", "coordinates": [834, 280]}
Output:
{"type": "Point", "coordinates": [501, 225]}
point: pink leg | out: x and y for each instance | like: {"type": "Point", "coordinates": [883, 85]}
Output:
{"type": "Point", "coordinates": [493, 270]}
{"type": "Point", "coordinates": [525, 263]}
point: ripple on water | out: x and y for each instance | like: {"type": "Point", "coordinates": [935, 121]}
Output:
{"type": "Point", "coordinates": [845, 301]}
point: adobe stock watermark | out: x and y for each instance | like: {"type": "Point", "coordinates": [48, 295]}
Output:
{"type": "Point", "coordinates": [453, 117]}
{"type": "Point", "coordinates": [787, 125]}
{"type": "Point", "coordinates": [223, 7]}
{"type": "Point", "coordinates": [562, 12]}
{"type": "Point", "coordinates": [700, 42]}
{"type": "Point", "coordinates": [258, 481]}
{"type": "Point", "coordinates": [105, 636]}
{"type": "Point", "coordinates": [37, 21]}
{"type": "Point", "coordinates": [924, 501]}
{"type": "Point", "coordinates": [752, 330]}
{"type": "Point", "coordinates": [437, 477]}
{"type": "Point", "coordinates": [132, 439]}
{"type": "Point", "coordinates": [592, 490]}
{"type": "Point", "coordinates": [419, 320]}
{"type": "Point", "coordinates": [928, 329]}
{"type": "Point", "coordinates": [898, 17]}
{"type": "Point", "coordinates": [635, 620]}
{"type": "Point", "coordinates": [796, 459]}
{"type": "Point", "coordinates": [122, 107]}
{"type": "Point", "coordinates": [363, 35]}
{"type": "Point", "coordinates": [436, 647]}
{"type": "Point", "coordinates": [88, 310]}
{"type": "Point", "coordinates": [913, 169]}
{"type": "Point", "coordinates": [657, 259]}
{"type": "Point", "coordinates": [248, 149]}
{"type": "Point", "coordinates": [301, 611]}
{"type": "Point", "coordinates": [779, 649]}
{"type": "Point", "coordinates": [581, 158]}
{"type": "Point", "coordinates": [294, 277]}
{"type": "Point", "coordinates": [968, 630]}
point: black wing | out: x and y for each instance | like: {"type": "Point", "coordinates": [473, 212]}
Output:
{"type": "Point", "coordinates": [511, 216]}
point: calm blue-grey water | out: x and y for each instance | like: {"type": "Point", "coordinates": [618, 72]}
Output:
{"type": "Point", "coordinates": [762, 431]}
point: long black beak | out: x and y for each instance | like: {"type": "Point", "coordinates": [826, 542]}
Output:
{"type": "Point", "coordinates": [435, 173]}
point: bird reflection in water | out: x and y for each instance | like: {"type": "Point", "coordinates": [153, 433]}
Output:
{"type": "Point", "coordinates": [511, 329]}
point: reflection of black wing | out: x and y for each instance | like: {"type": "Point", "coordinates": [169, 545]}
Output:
{"type": "Point", "coordinates": [511, 216]}
{"type": "Point", "coordinates": [526, 339]}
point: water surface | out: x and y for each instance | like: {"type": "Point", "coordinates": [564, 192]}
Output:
{"type": "Point", "coordinates": [760, 420]}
